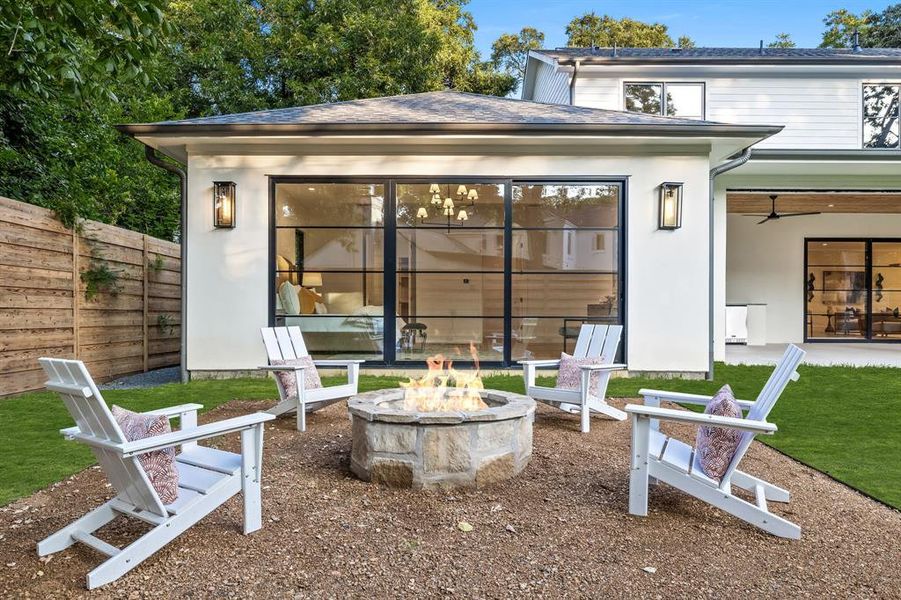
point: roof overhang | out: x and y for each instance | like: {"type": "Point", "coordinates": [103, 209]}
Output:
{"type": "Point", "coordinates": [719, 145]}
{"type": "Point", "coordinates": [818, 169]}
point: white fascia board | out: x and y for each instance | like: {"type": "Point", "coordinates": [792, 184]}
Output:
{"type": "Point", "coordinates": [873, 72]}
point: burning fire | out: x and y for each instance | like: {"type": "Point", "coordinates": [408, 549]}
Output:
{"type": "Point", "coordinates": [432, 393]}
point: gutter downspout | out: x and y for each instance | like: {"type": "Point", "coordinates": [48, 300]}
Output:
{"type": "Point", "coordinates": [716, 171]}
{"type": "Point", "coordinates": [151, 156]}
{"type": "Point", "coordinates": [572, 83]}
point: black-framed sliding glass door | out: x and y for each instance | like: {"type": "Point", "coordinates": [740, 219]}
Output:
{"type": "Point", "coordinates": [510, 267]}
{"type": "Point", "coordinates": [852, 290]}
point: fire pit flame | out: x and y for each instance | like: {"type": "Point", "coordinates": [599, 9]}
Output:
{"type": "Point", "coordinates": [431, 392]}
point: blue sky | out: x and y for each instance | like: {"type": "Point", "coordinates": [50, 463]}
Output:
{"type": "Point", "coordinates": [708, 23]}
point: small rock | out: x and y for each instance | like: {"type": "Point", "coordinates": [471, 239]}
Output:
{"type": "Point", "coordinates": [464, 526]}
{"type": "Point", "coordinates": [651, 570]}
{"type": "Point", "coordinates": [510, 528]}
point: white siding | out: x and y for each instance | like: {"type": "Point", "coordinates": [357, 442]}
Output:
{"type": "Point", "coordinates": [599, 92]}
{"type": "Point", "coordinates": [550, 86]}
{"type": "Point", "coordinates": [816, 113]}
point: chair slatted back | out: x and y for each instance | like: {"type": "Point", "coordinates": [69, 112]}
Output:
{"type": "Point", "coordinates": [284, 343]}
{"type": "Point", "coordinates": [598, 341]}
{"type": "Point", "coordinates": [75, 386]}
{"type": "Point", "coordinates": [785, 371]}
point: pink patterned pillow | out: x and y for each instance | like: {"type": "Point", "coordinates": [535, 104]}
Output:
{"type": "Point", "coordinates": [569, 375]}
{"type": "Point", "coordinates": [288, 380]}
{"type": "Point", "coordinates": [159, 465]}
{"type": "Point", "coordinates": [717, 445]}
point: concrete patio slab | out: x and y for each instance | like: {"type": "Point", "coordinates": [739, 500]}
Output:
{"type": "Point", "coordinates": [855, 355]}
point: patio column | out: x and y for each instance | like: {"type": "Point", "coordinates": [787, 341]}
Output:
{"type": "Point", "coordinates": [719, 272]}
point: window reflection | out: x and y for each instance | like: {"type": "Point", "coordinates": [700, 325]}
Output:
{"type": "Point", "coordinates": [880, 116]}
{"type": "Point", "coordinates": [673, 99]}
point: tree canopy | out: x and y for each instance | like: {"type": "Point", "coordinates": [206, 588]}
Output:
{"type": "Point", "coordinates": [510, 51]}
{"type": "Point", "coordinates": [76, 67]}
{"type": "Point", "coordinates": [590, 29]}
{"type": "Point", "coordinates": [783, 40]}
{"type": "Point", "coordinates": [876, 29]}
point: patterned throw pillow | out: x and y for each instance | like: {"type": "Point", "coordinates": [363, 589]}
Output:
{"type": "Point", "coordinates": [569, 375]}
{"type": "Point", "coordinates": [289, 382]}
{"type": "Point", "coordinates": [717, 445]}
{"type": "Point", "coordinates": [159, 465]}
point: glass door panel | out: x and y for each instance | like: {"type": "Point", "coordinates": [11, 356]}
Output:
{"type": "Point", "coordinates": [885, 306]}
{"type": "Point", "coordinates": [836, 291]}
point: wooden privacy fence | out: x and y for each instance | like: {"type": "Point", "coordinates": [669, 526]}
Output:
{"type": "Point", "coordinates": [102, 294]}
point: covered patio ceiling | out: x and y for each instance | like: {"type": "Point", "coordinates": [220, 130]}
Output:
{"type": "Point", "coordinates": [809, 201]}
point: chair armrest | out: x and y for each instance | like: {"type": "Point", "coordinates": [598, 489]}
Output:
{"type": "Point", "coordinates": [282, 368]}
{"type": "Point", "coordinates": [682, 398]}
{"type": "Point", "coordinates": [613, 367]}
{"type": "Point", "coordinates": [338, 363]}
{"type": "Point", "coordinates": [540, 363]}
{"type": "Point", "coordinates": [170, 412]}
{"type": "Point", "coordinates": [685, 416]}
{"type": "Point", "coordinates": [202, 432]}
{"type": "Point", "coordinates": [174, 411]}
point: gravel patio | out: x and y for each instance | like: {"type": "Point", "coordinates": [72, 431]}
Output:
{"type": "Point", "coordinates": [559, 529]}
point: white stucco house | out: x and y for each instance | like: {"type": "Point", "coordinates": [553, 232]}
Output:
{"type": "Point", "coordinates": [614, 191]}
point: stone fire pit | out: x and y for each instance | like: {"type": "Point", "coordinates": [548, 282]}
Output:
{"type": "Point", "coordinates": [406, 448]}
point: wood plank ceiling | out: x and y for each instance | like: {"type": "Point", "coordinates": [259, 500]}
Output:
{"type": "Point", "coordinates": [827, 202]}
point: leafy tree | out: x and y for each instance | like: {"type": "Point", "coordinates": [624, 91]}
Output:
{"type": "Point", "coordinates": [841, 25]}
{"type": "Point", "coordinates": [685, 42]}
{"type": "Point", "coordinates": [884, 28]}
{"type": "Point", "coordinates": [76, 47]}
{"type": "Point", "coordinates": [510, 51]}
{"type": "Point", "coordinates": [197, 57]}
{"type": "Point", "coordinates": [783, 40]}
{"type": "Point", "coordinates": [605, 31]}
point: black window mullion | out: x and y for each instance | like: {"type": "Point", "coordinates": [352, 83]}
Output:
{"type": "Point", "coordinates": [389, 284]}
{"type": "Point", "coordinates": [508, 269]}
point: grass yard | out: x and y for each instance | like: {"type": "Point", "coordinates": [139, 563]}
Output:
{"type": "Point", "coordinates": [841, 421]}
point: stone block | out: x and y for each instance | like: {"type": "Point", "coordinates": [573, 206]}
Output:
{"type": "Point", "coordinates": [391, 472]}
{"type": "Point", "coordinates": [495, 436]}
{"type": "Point", "coordinates": [396, 439]}
{"type": "Point", "coordinates": [496, 468]}
{"type": "Point", "coordinates": [446, 449]}
{"type": "Point", "coordinates": [359, 448]}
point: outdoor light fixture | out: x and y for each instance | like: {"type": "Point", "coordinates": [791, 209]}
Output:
{"type": "Point", "coordinates": [224, 204]}
{"type": "Point", "coordinates": [670, 208]}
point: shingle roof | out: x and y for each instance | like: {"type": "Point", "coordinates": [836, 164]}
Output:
{"type": "Point", "coordinates": [432, 110]}
{"type": "Point", "coordinates": [726, 54]}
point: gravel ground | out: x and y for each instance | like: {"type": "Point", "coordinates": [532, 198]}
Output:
{"type": "Point", "coordinates": [144, 380]}
{"type": "Point", "coordinates": [559, 529]}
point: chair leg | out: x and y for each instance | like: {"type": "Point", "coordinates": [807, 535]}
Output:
{"type": "Point", "coordinates": [89, 523]}
{"type": "Point", "coordinates": [251, 463]}
{"type": "Point", "coordinates": [584, 409]}
{"type": "Point", "coordinates": [638, 478]}
{"type": "Point", "coordinates": [301, 401]}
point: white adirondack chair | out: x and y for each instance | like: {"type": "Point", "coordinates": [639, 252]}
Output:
{"type": "Point", "coordinates": [594, 341]}
{"type": "Point", "coordinates": [661, 458]}
{"type": "Point", "coordinates": [285, 343]}
{"type": "Point", "coordinates": [207, 476]}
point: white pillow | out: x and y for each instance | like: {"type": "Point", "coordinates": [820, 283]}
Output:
{"type": "Point", "coordinates": [321, 309]}
{"type": "Point", "coordinates": [287, 293]}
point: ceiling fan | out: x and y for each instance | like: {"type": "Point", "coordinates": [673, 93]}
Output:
{"type": "Point", "coordinates": [774, 215]}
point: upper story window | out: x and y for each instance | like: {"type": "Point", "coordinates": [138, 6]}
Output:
{"type": "Point", "coordinates": [881, 115]}
{"type": "Point", "coordinates": [685, 100]}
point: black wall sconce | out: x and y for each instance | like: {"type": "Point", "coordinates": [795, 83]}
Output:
{"type": "Point", "coordinates": [670, 206]}
{"type": "Point", "coordinates": [224, 204]}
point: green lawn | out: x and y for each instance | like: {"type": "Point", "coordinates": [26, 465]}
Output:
{"type": "Point", "coordinates": [842, 421]}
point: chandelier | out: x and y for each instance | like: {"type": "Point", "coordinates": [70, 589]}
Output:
{"type": "Point", "coordinates": [447, 207]}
